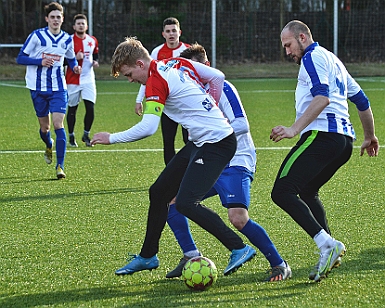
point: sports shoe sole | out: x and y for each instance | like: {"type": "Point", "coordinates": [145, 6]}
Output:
{"type": "Point", "coordinates": [48, 155]}
{"type": "Point", "coordinates": [313, 273]}
{"type": "Point", "coordinates": [118, 273]}
{"type": "Point", "coordinates": [60, 173]}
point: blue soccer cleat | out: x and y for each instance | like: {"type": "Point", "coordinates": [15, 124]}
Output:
{"type": "Point", "coordinates": [137, 264]}
{"type": "Point", "coordinates": [238, 257]}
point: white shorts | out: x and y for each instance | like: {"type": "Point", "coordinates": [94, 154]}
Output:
{"type": "Point", "coordinates": [77, 92]}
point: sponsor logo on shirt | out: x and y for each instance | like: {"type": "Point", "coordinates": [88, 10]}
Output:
{"type": "Point", "coordinates": [51, 56]}
{"type": "Point", "coordinates": [152, 98]}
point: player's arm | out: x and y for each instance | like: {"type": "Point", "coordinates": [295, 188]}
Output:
{"type": "Point", "coordinates": [240, 126]}
{"type": "Point", "coordinates": [370, 143]}
{"type": "Point", "coordinates": [145, 128]}
{"type": "Point", "coordinates": [95, 57]}
{"type": "Point", "coordinates": [209, 75]}
{"type": "Point", "coordinates": [139, 100]}
{"type": "Point", "coordinates": [71, 57]}
{"type": "Point", "coordinates": [95, 60]}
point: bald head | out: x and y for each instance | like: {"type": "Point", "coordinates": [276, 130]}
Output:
{"type": "Point", "coordinates": [295, 38]}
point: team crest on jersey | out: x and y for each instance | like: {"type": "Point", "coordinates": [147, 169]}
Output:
{"type": "Point", "coordinates": [64, 45]}
{"type": "Point", "coordinates": [207, 104]}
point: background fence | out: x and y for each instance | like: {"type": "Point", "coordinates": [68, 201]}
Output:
{"type": "Point", "coordinates": [242, 36]}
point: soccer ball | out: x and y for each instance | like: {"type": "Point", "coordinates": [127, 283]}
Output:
{"type": "Point", "coordinates": [199, 273]}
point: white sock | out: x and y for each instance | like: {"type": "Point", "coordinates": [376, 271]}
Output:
{"type": "Point", "coordinates": [192, 253]}
{"type": "Point", "coordinates": [323, 239]}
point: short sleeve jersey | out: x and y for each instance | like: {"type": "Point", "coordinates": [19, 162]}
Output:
{"type": "Point", "coordinates": [320, 68]}
{"type": "Point", "coordinates": [41, 43]}
{"type": "Point", "coordinates": [176, 84]}
{"type": "Point", "coordinates": [164, 52]}
{"type": "Point", "coordinates": [89, 46]}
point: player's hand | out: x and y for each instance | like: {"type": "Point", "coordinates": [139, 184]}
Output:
{"type": "Point", "coordinates": [47, 62]}
{"type": "Point", "coordinates": [280, 132]}
{"type": "Point", "coordinates": [79, 55]}
{"type": "Point", "coordinates": [95, 64]}
{"type": "Point", "coordinates": [371, 146]}
{"type": "Point", "coordinates": [101, 138]}
{"type": "Point", "coordinates": [139, 109]}
{"type": "Point", "coordinates": [77, 69]}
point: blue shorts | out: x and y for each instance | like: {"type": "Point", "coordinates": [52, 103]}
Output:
{"type": "Point", "coordinates": [233, 187]}
{"type": "Point", "coordinates": [48, 102]}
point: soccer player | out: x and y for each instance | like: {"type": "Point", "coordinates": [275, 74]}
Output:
{"type": "Point", "coordinates": [43, 53]}
{"type": "Point", "coordinates": [326, 139]}
{"type": "Point", "coordinates": [82, 86]}
{"type": "Point", "coordinates": [175, 86]}
{"type": "Point", "coordinates": [233, 185]}
{"type": "Point", "coordinates": [170, 49]}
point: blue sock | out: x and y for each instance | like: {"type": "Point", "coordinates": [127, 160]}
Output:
{"type": "Point", "coordinates": [46, 137]}
{"type": "Point", "coordinates": [61, 141]}
{"type": "Point", "coordinates": [179, 225]}
{"type": "Point", "coordinates": [259, 238]}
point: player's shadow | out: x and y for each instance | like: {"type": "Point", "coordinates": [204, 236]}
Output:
{"type": "Point", "coordinates": [367, 260]}
{"type": "Point", "coordinates": [75, 194]}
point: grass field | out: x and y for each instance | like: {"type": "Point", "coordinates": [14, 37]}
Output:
{"type": "Point", "coordinates": [61, 241]}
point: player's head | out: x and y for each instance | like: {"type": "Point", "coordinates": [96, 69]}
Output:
{"type": "Point", "coordinates": [171, 31]}
{"type": "Point", "coordinates": [196, 52]}
{"type": "Point", "coordinates": [131, 60]}
{"type": "Point", "coordinates": [54, 16]}
{"type": "Point", "coordinates": [80, 24]}
{"type": "Point", "coordinates": [171, 21]}
{"type": "Point", "coordinates": [53, 6]}
{"type": "Point", "coordinates": [296, 37]}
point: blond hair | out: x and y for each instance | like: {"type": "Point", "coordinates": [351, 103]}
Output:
{"type": "Point", "coordinates": [127, 53]}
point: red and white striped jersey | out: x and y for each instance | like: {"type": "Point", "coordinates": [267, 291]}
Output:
{"type": "Point", "coordinates": [89, 46]}
{"type": "Point", "coordinates": [164, 52]}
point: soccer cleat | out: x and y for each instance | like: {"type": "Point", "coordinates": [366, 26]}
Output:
{"type": "Point", "coordinates": [328, 260]}
{"type": "Point", "coordinates": [238, 257]}
{"type": "Point", "coordinates": [87, 140]}
{"type": "Point", "coordinates": [73, 142]}
{"type": "Point", "coordinates": [279, 273]}
{"type": "Point", "coordinates": [137, 264]}
{"type": "Point", "coordinates": [314, 270]}
{"type": "Point", "coordinates": [48, 154]}
{"type": "Point", "coordinates": [177, 271]}
{"type": "Point", "coordinates": [60, 173]}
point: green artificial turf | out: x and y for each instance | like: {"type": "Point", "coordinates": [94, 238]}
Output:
{"type": "Point", "coordinates": [62, 240]}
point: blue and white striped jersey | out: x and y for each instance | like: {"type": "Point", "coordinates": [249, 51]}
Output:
{"type": "Point", "coordinates": [322, 73]}
{"type": "Point", "coordinates": [40, 44]}
{"type": "Point", "coordinates": [232, 108]}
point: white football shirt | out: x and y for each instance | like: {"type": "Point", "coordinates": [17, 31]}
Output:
{"type": "Point", "coordinates": [321, 67]}
{"type": "Point", "coordinates": [176, 84]}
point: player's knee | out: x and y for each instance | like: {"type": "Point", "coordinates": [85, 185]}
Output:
{"type": "Point", "coordinates": [238, 217]}
{"type": "Point", "coordinates": [154, 191]}
{"type": "Point", "coordinates": [278, 194]}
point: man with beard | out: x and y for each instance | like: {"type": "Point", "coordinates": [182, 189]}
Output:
{"type": "Point", "coordinates": [83, 85]}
